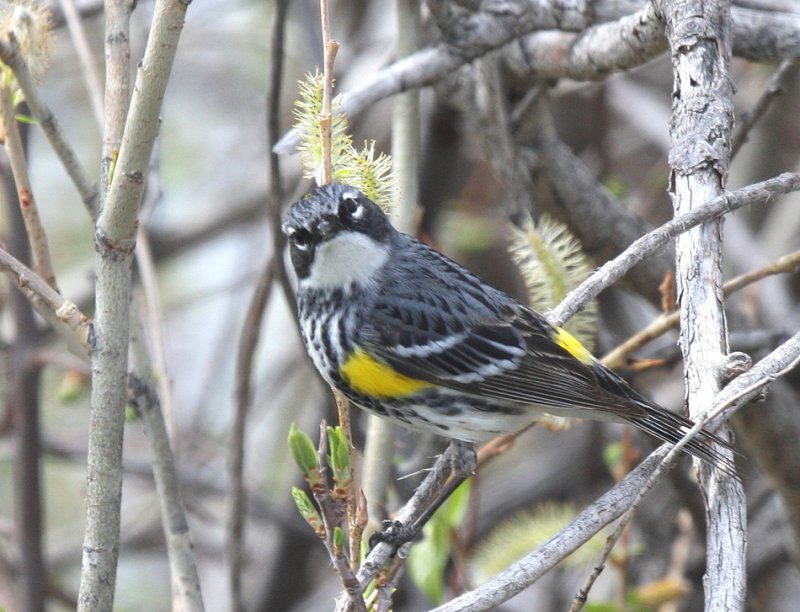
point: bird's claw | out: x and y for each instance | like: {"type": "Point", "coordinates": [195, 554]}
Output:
{"type": "Point", "coordinates": [394, 533]}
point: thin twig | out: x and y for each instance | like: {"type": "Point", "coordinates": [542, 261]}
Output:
{"type": "Point", "coordinates": [774, 88]}
{"type": "Point", "coordinates": [251, 328]}
{"type": "Point", "coordinates": [37, 237]}
{"type": "Point", "coordinates": [46, 299]}
{"type": "Point", "coordinates": [409, 514]}
{"type": "Point", "coordinates": [329, 49]}
{"type": "Point", "coordinates": [24, 402]}
{"type": "Point", "coordinates": [662, 324]}
{"type": "Point", "coordinates": [153, 311]}
{"type": "Point", "coordinates": [273, 102]}
{"type": "Point", "coordinates": [248, 341]}
{"type": "Point", "coordinates": [186, 593]}
{"type": "Point", "coordinates": [10, 56]}
{"type": "Point", "coordinates": [88, 66]}
{"type": "Point", "coordinates": [611, 541]}
{"type": "Point", "coordinates": [614, 269]}
{"type": "Point", "coordinates": [117, 91]}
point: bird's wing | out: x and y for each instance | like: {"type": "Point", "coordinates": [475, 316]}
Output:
{"type": "Point", "coordinates": [452, 330]}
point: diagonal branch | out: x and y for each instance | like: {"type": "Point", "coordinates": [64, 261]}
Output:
{"type": "Point", "coordinates": [619, 499]}
{"type": "Point", "coordinates": [10, 56]}
{"type": "Point", "coordinates": [47, 301]}
{"type": "Point", "coordinates": [758, 35]}
{"type": "Point", "coordinates": [613, 270]}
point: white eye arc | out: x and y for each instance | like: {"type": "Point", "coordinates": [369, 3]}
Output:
{"type": "Point", "coordinates": [351, 207]}
{"type": "Point", "coordinates": [300, 238]}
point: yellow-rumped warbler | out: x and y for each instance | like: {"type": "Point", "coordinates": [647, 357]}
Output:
{"type": "Point", "coordinates": [408, 334]}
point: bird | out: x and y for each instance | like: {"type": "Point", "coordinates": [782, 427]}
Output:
{"type": "Point", "coordinates": [408, 334]}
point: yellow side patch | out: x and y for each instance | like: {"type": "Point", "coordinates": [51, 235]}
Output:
{"type": "Point", "coordinates": [569, 343]}
{"type": "Point", "coordinates": [379, 380]}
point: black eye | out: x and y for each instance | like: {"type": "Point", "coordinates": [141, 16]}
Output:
{"type": "Point", "coordinates": [350, 208]}
{"type": "Point", "coordinates": [301, 238]}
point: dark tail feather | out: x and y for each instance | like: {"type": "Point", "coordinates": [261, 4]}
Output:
{"type": "Point", "coordinates": [663, 424]}
{"type": "Point", "coordinates": [671, 427]}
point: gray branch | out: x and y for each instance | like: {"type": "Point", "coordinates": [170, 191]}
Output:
{"type": "Point", "coordinates": [699, 34]}
{"type": "Point", "coordinates": [186, 592]}
{"type": "Point", "coordinates": [115, 237]}
{"type": "Point", "coordinates": [591, 55]}
{"type": "Point", "coordinates": [613, 270]}
{"type": "Point", "coordinates": [759, 36]}
{"type": "Point", "coordinates": [610, 506]}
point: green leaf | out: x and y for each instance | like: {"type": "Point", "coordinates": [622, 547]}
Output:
{"type": "Point", "coordinates": [26, 119]}
{"type": "Point", "coordinates": [338, 537]}
{"type": "Point", "coordinates": [339, 458]}
{"type": "Point", "coordinates": [428, 558]}
{"type": "Point", "coordinates": [308, 511]}
{"type": "Point", "coordinates": [613, 454]}
{"type": "Point", "coordinates": [303, 451]}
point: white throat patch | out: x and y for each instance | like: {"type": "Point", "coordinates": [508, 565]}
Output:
{"type": "Point", "coordinates": [349, 257]}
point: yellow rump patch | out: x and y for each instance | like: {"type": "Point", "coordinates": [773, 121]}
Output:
{"type": "Point", "coordinates": [569, 343]}
{"type": "Point", "coordinates": [376, 379]}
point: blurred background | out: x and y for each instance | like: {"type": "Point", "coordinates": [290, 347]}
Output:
{"type": "Point", "coordinates": [211, 237]}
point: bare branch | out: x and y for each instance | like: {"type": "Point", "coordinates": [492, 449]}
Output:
{"type": "Point", "coordinates": [613, 270]}
{"type": "Point", "coordinates": [766, 36]}
{"type": "Point", "coordinates": [143, 397]}
{"type": "Point", "coordinates": [774, 88]}
{"type": "Point", "coordinates": [88, 68]}
{"type": "Point", "coordinates": [275, 196]}
{"type": "Point", "coordinates": [592, 54]}
{"type": "Point", "coordinates": [623, 496]}
{"type": "Point", "coordinates": [534, 565]}
{"type": "Point", "coordinates": [248, 341]}
{"type": "Point", "coordinates": [699, 35]}
{"type": "Point", "coordinates": [759, 36]}
{"type": "Point", "coordinates": [10, 56]}
{"type": "Point", "coordinates": [24, 404]}
{"type": "Point", "coordinates": [659, 326]}
{"type": "Point", "coordinates": [37, 237]}
{"type": "Point", "coordinates": [47, 300]}
{"type": "Point", "coordinates": [117, 90]}
{"type": "Point", "coordinates": [114, 242]}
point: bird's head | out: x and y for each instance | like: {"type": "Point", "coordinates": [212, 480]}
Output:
{"type": "Point", "coordinates": [337, 236]}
